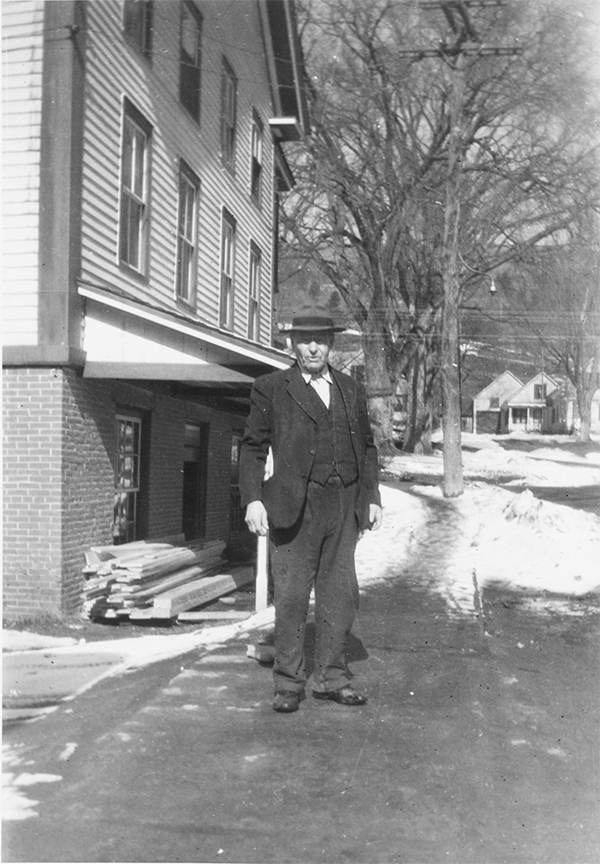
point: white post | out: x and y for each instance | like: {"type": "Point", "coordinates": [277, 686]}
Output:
{"type": "Point", "coordinates": [262, 572]}
{"type": "Point", "coordinates": [262, 552]}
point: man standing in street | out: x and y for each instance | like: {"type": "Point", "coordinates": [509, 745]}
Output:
{"type": "Point", "coordinates": [322, 494]}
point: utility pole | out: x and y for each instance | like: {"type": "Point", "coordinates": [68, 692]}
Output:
{"type": "Point", "coordinates": [450, 348]}
{"type": "Point", "coordinates": [466, 42]}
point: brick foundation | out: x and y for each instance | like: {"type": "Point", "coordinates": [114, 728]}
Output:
{"type": "Point", "coordinates": [59, 464]}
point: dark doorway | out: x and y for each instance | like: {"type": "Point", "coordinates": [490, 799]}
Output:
{"type": "Point", "coordinates": [195, 466]}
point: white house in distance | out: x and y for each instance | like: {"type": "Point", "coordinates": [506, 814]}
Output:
{"type": "Point", "coordinates": [143, 156]}
{"type": "Point", "coordinates": [488, 403]}
{"type": "Point", "coordinates": [526, 410]}
{"type": "Point", "coordinates": [544, 404]}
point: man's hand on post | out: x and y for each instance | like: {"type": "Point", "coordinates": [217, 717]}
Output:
{"type": "Point", "coordinates": [256, 518]}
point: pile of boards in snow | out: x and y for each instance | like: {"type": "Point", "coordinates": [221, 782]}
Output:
{"type": "Point", "coordinates": [144, 581]}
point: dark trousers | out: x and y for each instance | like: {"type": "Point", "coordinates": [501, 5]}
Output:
{"type": "Point", "coordinates": [318, 550]}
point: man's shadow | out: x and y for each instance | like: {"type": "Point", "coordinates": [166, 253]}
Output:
{"type": "Point", "coordinates": [355, 650]}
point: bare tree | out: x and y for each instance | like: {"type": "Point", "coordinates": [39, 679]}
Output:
{"type": "Point", "coordinates": [369, 202]}
{"type": "Point", "coordinates": [554, 296]}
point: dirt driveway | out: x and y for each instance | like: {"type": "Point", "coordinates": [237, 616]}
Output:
{"type": "Point", "coordinates": [478, 744]}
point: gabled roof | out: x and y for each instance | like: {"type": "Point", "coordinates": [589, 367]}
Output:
{"type": "Point", "coordinates": [540, 378]}
{"type": "Point", "coordinates": [506, 374]}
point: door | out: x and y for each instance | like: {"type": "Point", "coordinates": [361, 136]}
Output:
{"type": "Point", "coordinates": [195, 469]}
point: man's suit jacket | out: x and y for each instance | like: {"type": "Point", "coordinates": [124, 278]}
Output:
{"type": "Point", "coordinates": [282, 416]}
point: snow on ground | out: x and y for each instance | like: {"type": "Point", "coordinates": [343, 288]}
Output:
{"type": "Point", "coordinates": [506, 537]}
{"type": "Point", "coordinates": [548, 549]}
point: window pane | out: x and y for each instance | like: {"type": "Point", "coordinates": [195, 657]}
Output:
{"type": "Point", "coordinates": [138, 23]}
{"type": "Point", "coordinates": [134, 185]}
{"type": "Point", "coordinates": [228, 108]}
{"type": "Point", "coordinates": [127, 155]}
{"type": "Point", "coordinates": [135, 216]}
{"type": "Point", "coordinates": [189, 64]}
{"type": "Point", "coordinates": [139, 157]}
{"type": "Point", "coordinates": [189, 35]}
{"type": "Point", "coordinates": [186, 242]}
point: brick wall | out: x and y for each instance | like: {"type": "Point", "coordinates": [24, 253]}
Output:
{"type": "Point", "coordinates": [58, 477]}
{"type": "Point", "coordinates": [59, 452]}
{"type": "Point", "coordinates": [87, 476]}
{"type": "Point", "coordinates": [31, 490]}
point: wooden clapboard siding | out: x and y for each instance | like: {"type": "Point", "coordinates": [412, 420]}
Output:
{"type": "Point", "coordinates": [22, 31]}
{"type": "Point", "coordinates": [230, 30]}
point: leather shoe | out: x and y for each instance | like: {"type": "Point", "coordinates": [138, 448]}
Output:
{"type": "Point", "coordinates": [345, 696]}
{"type": "Point", "coordinates": [287, 701]}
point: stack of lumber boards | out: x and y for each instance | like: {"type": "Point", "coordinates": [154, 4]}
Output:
{"type": "Point", "coordinates": [146, 581]}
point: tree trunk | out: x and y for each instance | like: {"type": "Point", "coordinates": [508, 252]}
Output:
{"type": "Point", "coordinates": [380, 392]}
{"type": "Point", "coordinates": [584, 406]}
{"type": "Point", "coordinates": [417, 437]}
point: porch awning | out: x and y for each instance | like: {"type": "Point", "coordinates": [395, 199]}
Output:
{"type": "Point", "coordinates": [127, 339]}
{"type": "Point", "coordinates": [200, 373]}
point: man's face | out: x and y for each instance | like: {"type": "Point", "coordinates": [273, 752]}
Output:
{"type": "Point", "coordinates": [312, 349]}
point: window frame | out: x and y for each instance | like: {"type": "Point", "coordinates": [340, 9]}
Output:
{"type": "Point", "coordinates": [254, 286]}
{"type": "Point", "coordinates": [257, 140]}
{"type": "Point", "coordinates": [540, 392]}
{"type": "Point", "coordinates": [494, 402]}
{"type": "Point", "coordinates": [142, 40]}
{"type": "Point", "coordinates": [129, 198]}
{"type": "Point", "coordinates": [227, 269]}
{"type": "Point", "coordinates": [125, 492]}
{"type": "Point", "coordinates": [187, 238]}
{"type": "Point", "coordinates": [190, 68]}
{"type": "Point", "coordinates": [229, 84]}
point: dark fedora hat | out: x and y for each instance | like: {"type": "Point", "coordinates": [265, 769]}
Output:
{"type": "Point", "coordinates": [313, 317]}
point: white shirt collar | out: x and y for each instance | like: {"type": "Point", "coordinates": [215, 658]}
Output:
{"type": "Point", "coordinates": [326, 375]}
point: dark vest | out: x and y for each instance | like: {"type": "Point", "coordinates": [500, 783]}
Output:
{"type": "Point", "coordinates": [334, 454]}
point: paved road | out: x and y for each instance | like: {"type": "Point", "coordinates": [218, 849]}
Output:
{"type": "Point", "coordinates": [478, 744]}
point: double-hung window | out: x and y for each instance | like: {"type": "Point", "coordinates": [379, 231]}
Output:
{"type": "Point", "coordinates": [187, 235]}
{"type": "Point", "coordinates": [189, 59]}
{"type": "Point", "coordinates": [134, 215]}
{"type": "Point", "coordinates": [228, 113]}
{"type": "Point", "coordinates": [254, 293]}
{"type": "Point", "coordinates": [539, 391]}
{"type": "Point", "coordinates": [257, 159]}
{"type": "Point", "coordinates": [137, 19]}
{"type": "Point", "coordinates": [228, 230]}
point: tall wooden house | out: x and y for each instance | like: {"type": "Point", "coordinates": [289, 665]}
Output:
{"type": "Point", "coordinates": [143, 156]}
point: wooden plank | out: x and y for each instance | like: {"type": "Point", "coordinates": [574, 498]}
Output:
{"type": "Point", "coordinates": [145, 615]}
{"type": "Point", "coordinates": [191, 617]}
{"type": "Point", "coordinates": [171, 603]}
{"type": "Point", "coordinates": [163, 564]}
{"type": "Point", "coordinates": [171, 582]}
{"type": "Point", "coordinates": [98, 554]}
{"type": "Point", "coordinates": [212, 615]}
{"type": "Point", "coordinates": [155, 574]}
